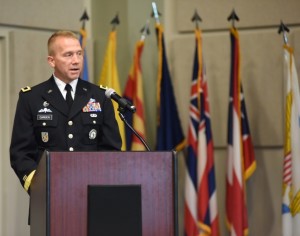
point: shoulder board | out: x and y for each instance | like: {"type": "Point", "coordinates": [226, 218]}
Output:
{"type": "Point", "coordinates": [103, 87]}
{"type": "Point", "coordinates": [25, 89]}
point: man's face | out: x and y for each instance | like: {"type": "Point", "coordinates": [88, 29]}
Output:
{"type": "Point", "coordinates": [66, 59]}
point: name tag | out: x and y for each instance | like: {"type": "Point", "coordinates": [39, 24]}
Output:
{"type": "Point", "coordinates": [44, 117]}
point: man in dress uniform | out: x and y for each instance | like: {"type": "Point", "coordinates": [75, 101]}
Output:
{"type": "Point", "coordinates": [63, 113]}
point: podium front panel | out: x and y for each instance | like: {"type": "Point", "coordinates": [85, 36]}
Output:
{"type": "Point", "coordinates": [114, 210]}
{"type": "Point", "coordinates": [70, 174]}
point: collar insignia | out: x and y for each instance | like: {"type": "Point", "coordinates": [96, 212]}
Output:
{"type": "Point", "coordinates": [25, 89]}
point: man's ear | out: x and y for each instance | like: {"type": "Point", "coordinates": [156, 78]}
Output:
{"type": "Point", "coordinates": [51, 61]}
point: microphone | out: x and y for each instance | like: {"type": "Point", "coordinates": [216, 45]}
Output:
{"type": "Point", "coordinates": [110, 93]}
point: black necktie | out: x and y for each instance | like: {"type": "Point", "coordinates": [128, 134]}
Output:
{"type": "Point", "coordinates": [69, 98]}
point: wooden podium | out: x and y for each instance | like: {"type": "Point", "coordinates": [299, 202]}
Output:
{"type": "Point", "coordinates": [61, 200]}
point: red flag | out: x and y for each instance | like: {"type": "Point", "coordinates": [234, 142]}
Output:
{"type": "Point", "coordinates": [241, 161]}
{"type": "Point", "coordinates": [134, 93]}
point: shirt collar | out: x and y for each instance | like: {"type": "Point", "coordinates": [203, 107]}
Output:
{"type": "Point", "coordinates": [61, 85]}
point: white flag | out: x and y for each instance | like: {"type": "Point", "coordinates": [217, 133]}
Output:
{"type": "Point", "coordinates": [291, 166]}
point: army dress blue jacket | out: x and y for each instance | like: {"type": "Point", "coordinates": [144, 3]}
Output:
{"type": "Point", "coordinates": [43, 122]}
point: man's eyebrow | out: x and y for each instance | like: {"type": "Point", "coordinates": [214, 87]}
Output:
{"type": "Point", "coordinates": [72, 52]}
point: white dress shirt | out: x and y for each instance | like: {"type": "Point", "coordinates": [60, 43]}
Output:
{"type": "Point", "coordinates": [61, 86]}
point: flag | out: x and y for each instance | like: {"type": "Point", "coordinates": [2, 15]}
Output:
{"type": "Point", "coordinates": [82, 39]}
{"type": "Point", "coordinates": [134, 93]}
{"type": "Point", "coordinates": [169, 131]}
{"type": "Point", "coordinates": [241, 161]}
{"type": "Point", "coordinates": [201, 213]}
{"type": "Point", "coordinates": [109, 77]}
{"type": "Point", "coordinates": [291, 161]}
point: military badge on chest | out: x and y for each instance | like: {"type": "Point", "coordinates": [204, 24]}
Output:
{"type": "Point", "coordinates": [93, 134]}
{"type": "Point", "coordinates": [92, 106]}
{"type": "Point", "coordinates": [45, 109]}
{"type": "Point", "coordinates": [45, 114]}
{"type": "Point", "coordinates": [45, 137]}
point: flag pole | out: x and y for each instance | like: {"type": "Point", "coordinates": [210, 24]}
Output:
{"type": "Point", "coordinates": [233, 17]}
{"type": "Point", "coordinates": [115, 21]}
{"type": "Point", "coordinates": [145, 31]}
{"type": "Point", "coordinates": [155, 13]}
{"type": "Point", "coordinates": [196, 18]}
{"type": "Point", "coordinates": [84, 18]}
{"type": "Point", "coordinates": [284, 29]}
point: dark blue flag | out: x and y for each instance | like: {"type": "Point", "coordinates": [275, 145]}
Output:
{"type": "Point", "coordinates": [169, 131]}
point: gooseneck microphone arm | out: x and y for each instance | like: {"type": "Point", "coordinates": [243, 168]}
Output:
{"type": "Point", "coordinates": [133, 130]}
{"type": "Point", "coordinates": [124, 106]}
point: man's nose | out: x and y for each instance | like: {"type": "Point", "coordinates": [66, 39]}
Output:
{"type": "Point", "coordinates": [76, 58]}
